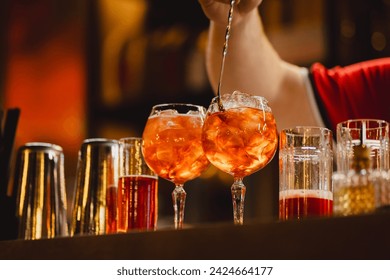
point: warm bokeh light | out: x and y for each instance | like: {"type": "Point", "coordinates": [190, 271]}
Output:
{"type": "Point", "coordinates": [46, 77]}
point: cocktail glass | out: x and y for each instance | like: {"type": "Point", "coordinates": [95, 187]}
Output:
{"type": "Point", "coordinates": [239, 139]}
{"type": "Point", "coordinates": [172, 148]}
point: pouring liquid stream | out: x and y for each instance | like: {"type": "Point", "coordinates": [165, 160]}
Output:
{"type": "Point", "coordinates": [224, 52]}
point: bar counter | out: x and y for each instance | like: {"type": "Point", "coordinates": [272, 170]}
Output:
{"type": "Point", "coordinates": [359, 237]}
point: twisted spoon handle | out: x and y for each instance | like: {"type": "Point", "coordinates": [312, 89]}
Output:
{"type": "Point", "coordinates": [224, 52]}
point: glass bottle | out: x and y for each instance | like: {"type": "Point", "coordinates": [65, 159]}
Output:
{"type": "Point", "coordinates": [354, 192]}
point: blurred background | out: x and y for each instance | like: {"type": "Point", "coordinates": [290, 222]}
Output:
{"type": "Point", "coordinates": [94, 68]}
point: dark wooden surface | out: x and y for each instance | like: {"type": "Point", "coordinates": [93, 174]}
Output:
{"type": "Point", "coordinates": [360, 237]}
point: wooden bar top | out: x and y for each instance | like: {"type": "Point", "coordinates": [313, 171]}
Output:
{"type": "Point", "coordinates": [358, 237]}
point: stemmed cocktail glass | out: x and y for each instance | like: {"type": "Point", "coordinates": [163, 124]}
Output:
{"type": "Point", "coordinates": [239, 138]}
{"type": "Point", "coordinates": [172, 147]}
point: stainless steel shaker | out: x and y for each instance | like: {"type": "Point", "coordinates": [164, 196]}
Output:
{"type": "Point", "coordinates": [94, 207]}
{"type": "Point", "coordinates": [40, 183]}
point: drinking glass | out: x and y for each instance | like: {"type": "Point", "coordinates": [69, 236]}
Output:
{"type": "Point", "coordinates": [361, 181]}
{"type": "Point", "coordinates": [137, 188]}
{"type": "Point", "coordinates": [239, 139]}
{"type": "Point", "coordinates": [172, 148]}
{"type": "Point", "coordinates": [305, 172]}
{"type": "Point", "coordinates": [370, 132]}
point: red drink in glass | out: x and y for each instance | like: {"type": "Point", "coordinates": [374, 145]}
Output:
{"type": "Point", "coordinates": [137, 203]}
{"type": "Point", "coordinates": [298, 204]}
{"type": "Point", "coordinates": [111, 209]}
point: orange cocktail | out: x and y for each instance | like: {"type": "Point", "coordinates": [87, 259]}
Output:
{"type": "Point", "coordinates": [172, 147]}
{"type": "Point", "coordinates": [239, 140]}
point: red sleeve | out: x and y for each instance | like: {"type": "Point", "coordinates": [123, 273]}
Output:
{"type": "Point", "coordinates": [360, 90]}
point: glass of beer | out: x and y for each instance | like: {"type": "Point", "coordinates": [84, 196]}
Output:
{"type": "Point", "coordinates": [239, 139]}
{"type": "Point", "coordinates": [137, 189]}
{"type": "Point", "coordinates": [172, 148]}
{"type": "Point", "coordinates": [305, 172]}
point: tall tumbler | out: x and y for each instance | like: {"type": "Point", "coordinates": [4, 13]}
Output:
{"type": "Point", "coordinates": [94, 205]}
{"type": "Point", "coordinates": [41, 198]}
{"type": "Point", "coordinates": [305, 172]}
{"type": "Point", "coordinates": [361, 183]}
{"type": "Point", "coordinates": [137, 189]}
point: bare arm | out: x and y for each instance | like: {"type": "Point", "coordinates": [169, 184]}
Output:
{"type": "Point", "coordinates": [252, 65]}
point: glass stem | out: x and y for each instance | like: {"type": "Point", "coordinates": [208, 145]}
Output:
{"type": "Point", "coordinates": [179, 200]}
{"type": "Point", "coordinates": [238, 197]}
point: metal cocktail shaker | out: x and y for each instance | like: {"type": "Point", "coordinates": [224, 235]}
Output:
{"type": "Point", "coordinates": [94, 207]}
{"type": "Point", "coordinates": [41, 198]}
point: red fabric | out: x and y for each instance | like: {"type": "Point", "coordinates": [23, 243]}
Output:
{"type": "Point", "coordinates": [360, 90]}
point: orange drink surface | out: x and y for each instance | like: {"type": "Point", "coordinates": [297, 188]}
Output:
{"type": "Point", "coordinates": [240, 141]}
{"type": "Point", "coordinates": [172, 146]}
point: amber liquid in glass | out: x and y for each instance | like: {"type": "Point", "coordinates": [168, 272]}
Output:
{"type": "Point", "coordinates": [111, 209]}
{"type": "Point", "coordinates": [355, 200]}
{"type": "Point", "coordinates": [137, 203]}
